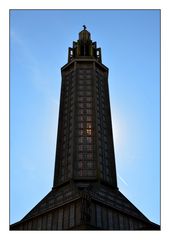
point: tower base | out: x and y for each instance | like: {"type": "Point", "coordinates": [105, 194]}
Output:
{"type": "Point", "coordinates": [83, 206]}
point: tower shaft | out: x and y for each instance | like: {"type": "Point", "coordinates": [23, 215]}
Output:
{"type": "Point", "coordinates": [85, 143]}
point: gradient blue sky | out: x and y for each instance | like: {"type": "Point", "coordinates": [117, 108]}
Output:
{"type": "Point", "coordinates": [130, 42]}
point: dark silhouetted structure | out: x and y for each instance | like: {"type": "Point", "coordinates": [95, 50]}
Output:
{"type": "Point", "coordinates": [85, 195]}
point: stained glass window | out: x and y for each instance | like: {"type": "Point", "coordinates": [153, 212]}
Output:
{"type": "Point", "coordinates": [88, 132]}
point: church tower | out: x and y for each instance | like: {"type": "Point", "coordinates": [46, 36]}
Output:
{"type": "Point", "coordinates": [85, 195]}
{"type": "Point", "coordinates": [85, 152]}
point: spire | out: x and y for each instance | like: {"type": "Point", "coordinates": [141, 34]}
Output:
{"type": "Point", "coordinates": [84, 47]}
{"type": "Point", "coordinates": [84, 35]}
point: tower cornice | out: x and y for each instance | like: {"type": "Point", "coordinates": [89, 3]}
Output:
{"type": "Point", "coordinates": [84, 60]}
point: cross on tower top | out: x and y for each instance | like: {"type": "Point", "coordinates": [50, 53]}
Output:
{"type": "Point", "coordinates": [84, 26]}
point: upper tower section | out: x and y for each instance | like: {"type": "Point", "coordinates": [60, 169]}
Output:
{"type": "Point", "coordinates": [84, 48]}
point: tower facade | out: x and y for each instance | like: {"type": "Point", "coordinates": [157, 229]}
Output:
{"type": "Point", "coordinates": [85, 195]}
{"type": "Point", "coordinates": [85, 150]}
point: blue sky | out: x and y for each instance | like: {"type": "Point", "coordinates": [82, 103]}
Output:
{"type": "Point", "coordinates": [130, 42]}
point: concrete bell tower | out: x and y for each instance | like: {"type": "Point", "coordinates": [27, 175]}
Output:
{"type": "Point", "coordinates": [84, 195]}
